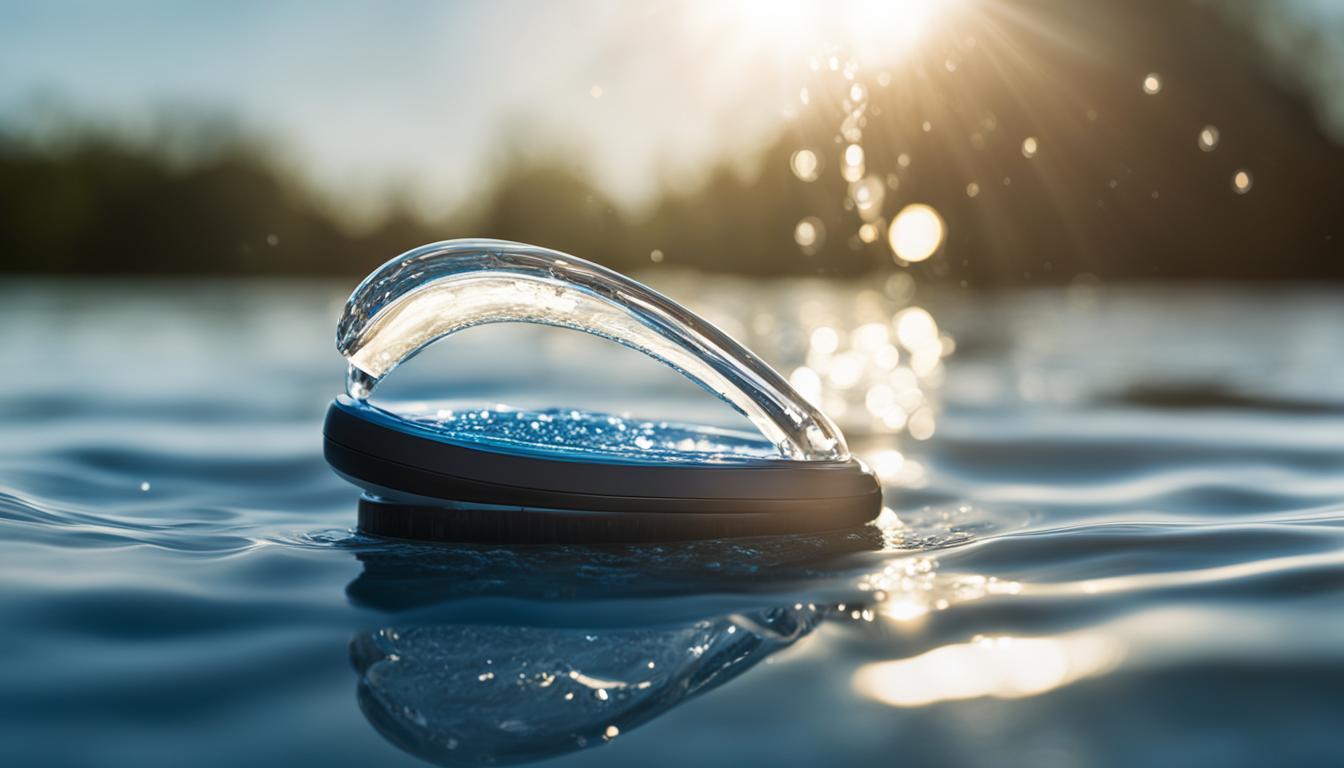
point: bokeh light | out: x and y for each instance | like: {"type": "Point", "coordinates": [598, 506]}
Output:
{"type": "Point", "coordinates": [916, 233]}
{"type": "Point", "coordinates": [805, 164]}
{"type": "Point", "coordinates": [1242, 181]}
{"type": "Point", "coordinates": [1208, 138]}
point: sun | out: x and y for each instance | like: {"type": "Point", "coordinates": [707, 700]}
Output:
{"type": "Point", "coordinates": [874, 30]}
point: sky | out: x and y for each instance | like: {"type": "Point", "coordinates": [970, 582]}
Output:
{"type": "Point", "coordinates": [418, 99]}
{"type": "Point", "coordinates": [369, 100]}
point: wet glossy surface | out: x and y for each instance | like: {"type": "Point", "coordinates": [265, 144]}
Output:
{"type": "Point", "coordinates": [568, 433]}
{"type": "Point", "coordinates": [1120, 545]}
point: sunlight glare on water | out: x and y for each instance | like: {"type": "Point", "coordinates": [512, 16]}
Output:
{"type": "Point", "coordinates": [1001, 667]}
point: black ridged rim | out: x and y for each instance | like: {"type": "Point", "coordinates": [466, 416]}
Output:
{"type": "Point", "coordinates": [423, 488]}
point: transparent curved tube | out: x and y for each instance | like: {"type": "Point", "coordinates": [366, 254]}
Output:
{"type": "Point", "coordinates": [441, 288]}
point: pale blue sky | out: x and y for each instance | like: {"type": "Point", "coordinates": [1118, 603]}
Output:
{"type": "Point", "coordinates": [368, 96]}
{"type": "Point", "coordinates": [417, 96]}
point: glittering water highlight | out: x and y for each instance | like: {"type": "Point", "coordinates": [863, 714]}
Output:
{"type": "Point", "coordinates": [1104, 554]}
{"type": "Point", "coordinates": [581, 434]}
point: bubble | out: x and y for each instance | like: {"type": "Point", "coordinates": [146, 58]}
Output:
{"type": "Point", "coordinates": [804, 96]}
{"type": "Point", "coordinates": [857, 93]}
{"type": "Point", "coordinates": [869, 233]}
{"type": "Point", "coordinates": [972, 189]}
{"type": "Point", "coordinates": [810, 234]}
{"type": "Point", "coordinates": [804, 164]}
{"type": "Point", "coordinates": [916, 233]}
{"type": "Point", "coordinates": [144, 486]}
{"type": "Point", "coordinates": [1152, 84]}
{"type": "Point", "coordinates": [1208, 138]}
{"type": "Point", "coordinates": [656, 256]}
{"type": "Point", "coordinates": [852, 166]}
{"type": "Point", "coordinates": [926, 126]}
{"type": "Point", "coordinates": [1241, 181]}
{"type": "Point", "coordinates": [903, 160]}
{"type": "Point", "coordinates": [1029, 147]}
{"type": "Point", "coordinates": [867, 194]}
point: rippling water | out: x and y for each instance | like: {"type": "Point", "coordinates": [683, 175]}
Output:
{"type": "Point", "coordinates": [1121, 546]}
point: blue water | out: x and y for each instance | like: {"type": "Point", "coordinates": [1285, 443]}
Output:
{"type": "Point", "coordinates": [1121, 546]}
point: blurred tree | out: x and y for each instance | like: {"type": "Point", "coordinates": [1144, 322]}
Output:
{"type": "Point", "coordinates": [1117, 187]}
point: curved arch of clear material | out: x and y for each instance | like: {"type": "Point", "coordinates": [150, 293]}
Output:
{"type": "Point", "coordinates": [441, 288]}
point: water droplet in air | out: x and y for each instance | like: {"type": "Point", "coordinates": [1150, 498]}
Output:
{"type": "Point", "coordinates": [852, 166]}
{"type": "Point", "coordinates": [804, 164]}
{"type": "Point", "coordinates": [867, 195]}
{"type": "Point", "coordinates": [1208, 138]}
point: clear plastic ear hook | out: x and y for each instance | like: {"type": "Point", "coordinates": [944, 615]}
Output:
{"type": "Point", "coordinates": [441, 288]}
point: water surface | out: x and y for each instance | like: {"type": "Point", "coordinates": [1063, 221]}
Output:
{"type": "Point", "coordinates": [1120, 546]}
